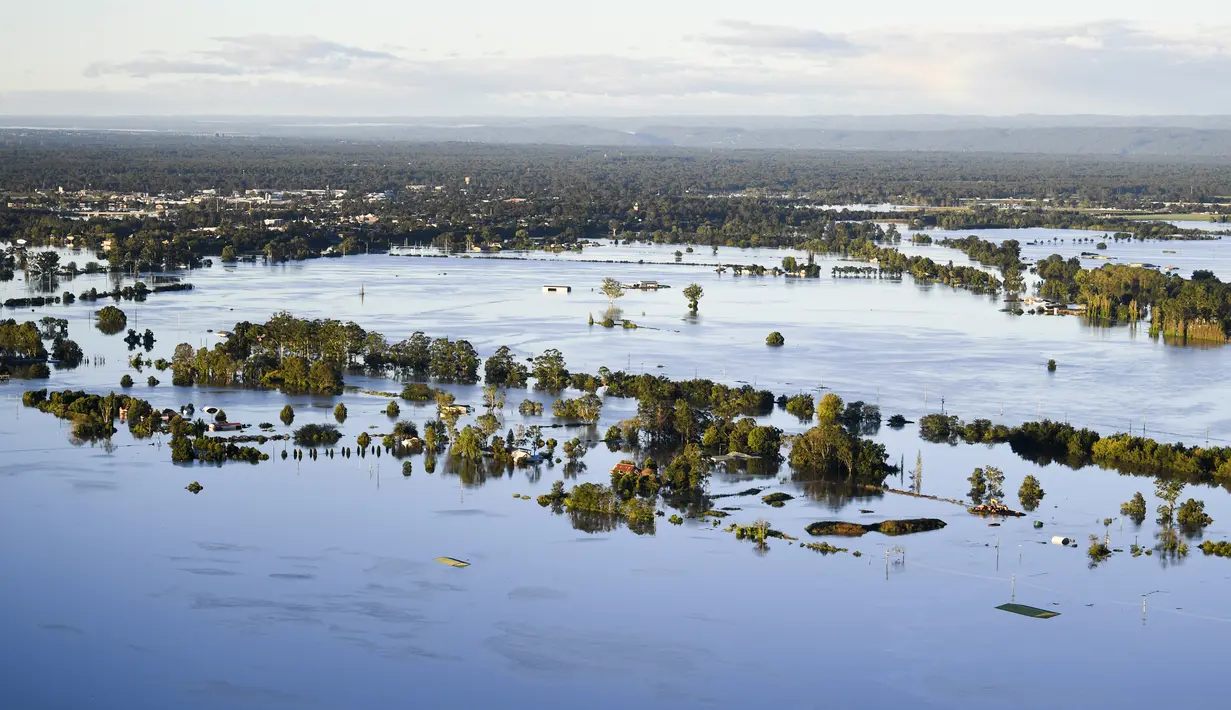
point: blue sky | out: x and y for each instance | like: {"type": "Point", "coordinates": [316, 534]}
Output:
{"type": "Point", "coordinates": [636, 57]}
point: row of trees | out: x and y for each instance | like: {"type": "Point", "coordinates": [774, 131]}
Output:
{"type": "Point", "coordinates": [1047, 441]}
{"type": "Point", "coordinates": [1198, 308]}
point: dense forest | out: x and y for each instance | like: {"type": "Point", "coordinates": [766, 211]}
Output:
{"type": "Point", "coordinates": [154, 163]}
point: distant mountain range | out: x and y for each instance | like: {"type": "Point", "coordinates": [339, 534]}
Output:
{"type": "Point", "coordinates": [1208, 136]}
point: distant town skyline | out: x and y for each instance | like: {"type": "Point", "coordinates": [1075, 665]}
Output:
{"type": "Point", "coordinates": [555, 58]}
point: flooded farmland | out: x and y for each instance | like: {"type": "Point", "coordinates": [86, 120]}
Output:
{"type": "Point", "coordinates": [313, 583]}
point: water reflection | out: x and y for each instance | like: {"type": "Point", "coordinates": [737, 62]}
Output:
{"type": "Point", "coordinates": [836, 492]}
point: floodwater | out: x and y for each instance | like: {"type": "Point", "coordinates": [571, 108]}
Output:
{"type": "Point", "coordinates": [1040, 243]}
{"type": "Point", "coordinates": [312, 584]}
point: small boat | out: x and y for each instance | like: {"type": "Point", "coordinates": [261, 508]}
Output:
{"type": "Point", "coordinates": [452, 562]}
{"type": "Point", "coordinates": [224, 334]}
{"type": "Point", "coordinates": [209, 410]}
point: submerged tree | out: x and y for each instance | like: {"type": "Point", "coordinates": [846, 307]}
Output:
{"type": "Point", "coordinates": [693, 292]}
{"type": "Point", "coordinates": [469, 444]}
{"type": "Point", "coordinates": [612, 289]}
{"type": "Point", "coordinates": [1192, 517]}
{"type": "Point", "coordinates": [978, 486]}
{"type": "Point", "coordinates": [995, 483]}
{"type": "Point", "coordinates": [493, 397]}
{"type": "Point", "coordinates": [1030, 493]}
{"type": "Point", "coordinates": [287, 415]}
{"type": "Point", "coordinates": [1169, 541]}
{"type": "Point", "coordinates": [829, 409]}
{"type": "Point", "coordinates": [550, 371]}
{"type": "Point", "coordinates": [111, 320]}
{"type": "Point", "coordinates": [1135, 509]}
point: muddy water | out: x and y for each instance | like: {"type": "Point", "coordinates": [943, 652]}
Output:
{"type": "Point", "coordinates": [312, 584]}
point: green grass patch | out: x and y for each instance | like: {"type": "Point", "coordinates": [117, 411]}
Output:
{"type": "Point", "coordinates": [886, 527]}
{"type": "Point", "coordinates": [777, 500]}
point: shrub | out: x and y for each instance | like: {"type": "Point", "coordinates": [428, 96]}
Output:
{"type": "Point", "coordinates": [1219, 549]}
{"type": "Point", "coordinates": [1135, 509]}
{"type": "Point", "coordinates": [1030, 493]}
{"type": "Point", "coordinates": [151, 381]}
{"type": "Point", "coordinates": [1098, 551]}
{"type": "Point", "coordinates": [775, 340]}
{"type": "Point", "coordinates": [1192, 516]}
{"type": "Point", "coordinates": [126, 381]}
{"type": "Point", "coordinates": [1051, 365]}
{"type": "Point", "coordinates": [393, 410]}
{"type": "Point", "coordinates": [418, 392]}
{"type": "Point", "coordinates": [287, 415]}
{"type": "Point", "coordinates": [801, 405]}
{"type": "Point", "coordinates": [339, 413]}
{"type": "Point", "coordinates": [111, 320]}
{"type": "Point", "coordinates": [407, 468]}
{"type": "Point", "coordinates": [363, 440]}
{"type": "Point", "coordinates": [833, 527]}
{"type": "Point", "coordinates": [938, 428]}
{"type": "Point", "coordinates": [897, 421]}
{"type": "Point", "coordinates": [587, 408]}
{"type": "Point", "coordinates": [317, 435]}
{"type": "Point", "coordinates": [777, 500]}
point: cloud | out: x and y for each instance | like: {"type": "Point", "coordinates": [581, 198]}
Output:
{"type": "Point", "coordinates": [156, 66]}
{"type": "Point", "coordinates": [297, 53]}
{"type": "Point", "coordinates": [250, 55]}
{"type": "Point", "coordinates": [750, 35]}
{"type": "Point", "coordinates": [757, 69]}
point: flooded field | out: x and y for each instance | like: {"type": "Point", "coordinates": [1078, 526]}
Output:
{"type": "Point", "coordinates": [313, 583]}
{"type": "Point", "coordinates": [1185, 256]}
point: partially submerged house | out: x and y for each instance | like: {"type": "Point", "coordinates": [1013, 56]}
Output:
{"type": "Point", "coordinates": [625, 468]}
{"type": "Point", "coordinates": [521, 457]}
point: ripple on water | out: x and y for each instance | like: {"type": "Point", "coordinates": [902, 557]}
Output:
{"type": "Point", "coordinates": [224, 547]}
{"type": "Point", "coordinates": [537, 594]}
{"type": "Point", "coordinates": [62, 628]}
{"type": "Point", "coordinates": [208, 571]}
{"type": "Point", "coordinates": [465, 512]}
